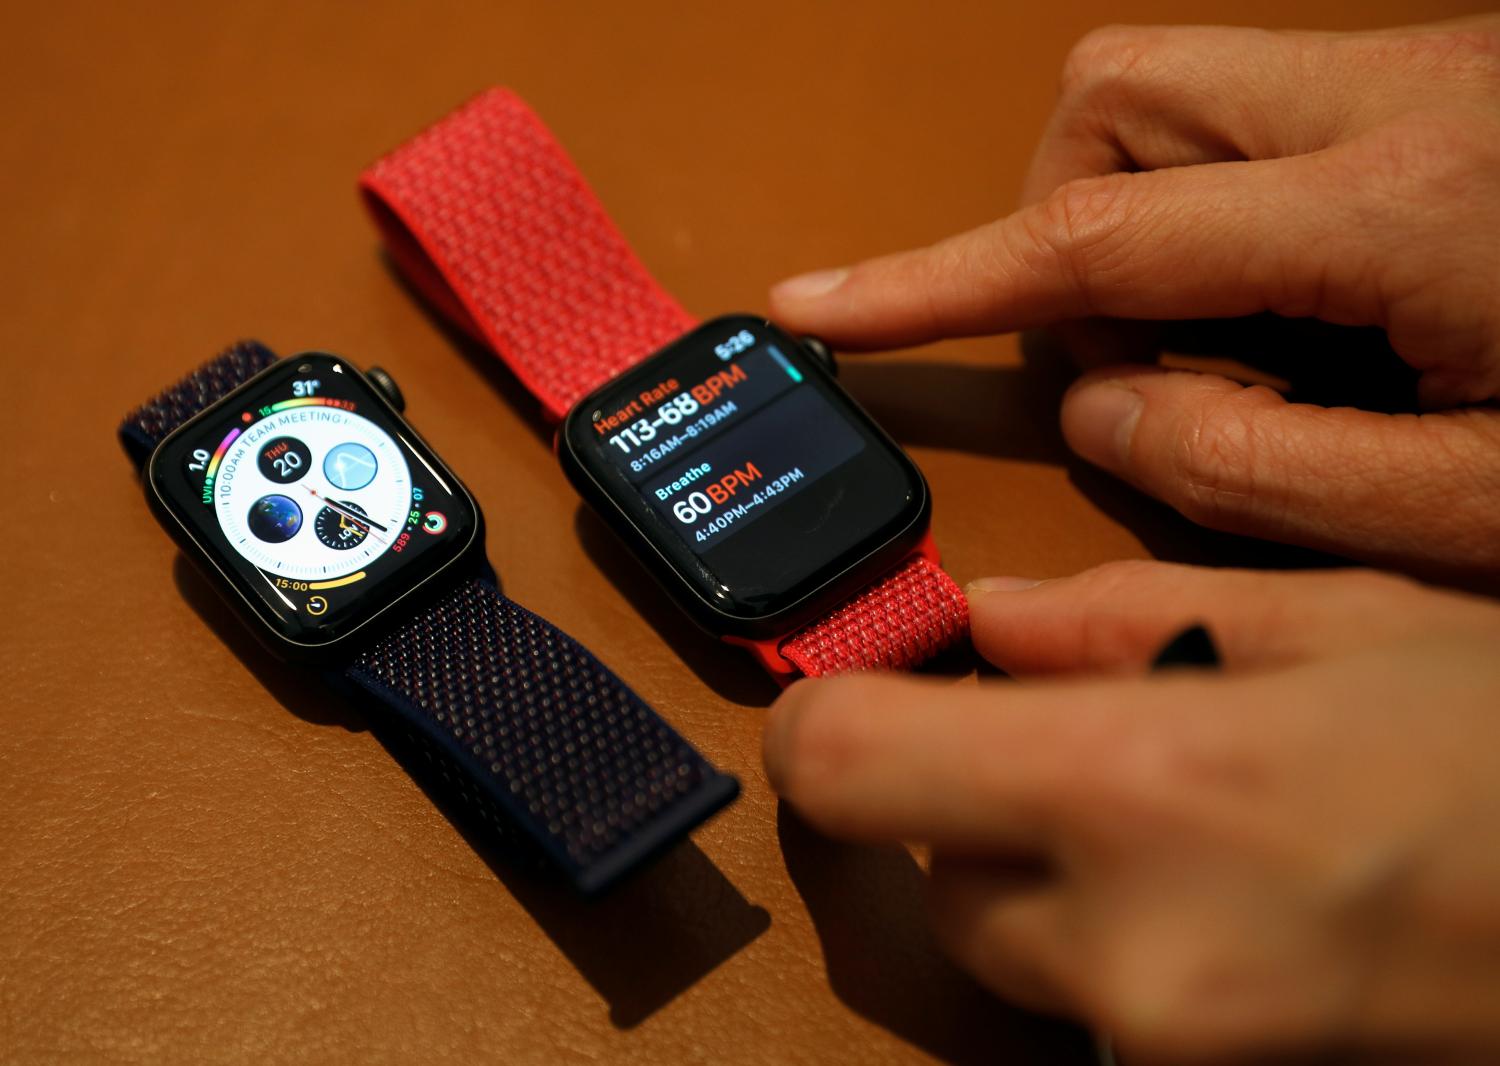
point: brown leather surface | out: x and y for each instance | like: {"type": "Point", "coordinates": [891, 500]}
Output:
{"type": "Point", "coordinates": [203, 854]}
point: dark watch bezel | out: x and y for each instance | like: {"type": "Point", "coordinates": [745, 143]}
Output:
{"type": "Point", "coordinates": [675, 567]}
{"type": "Point", "coordinates": [462, 560]}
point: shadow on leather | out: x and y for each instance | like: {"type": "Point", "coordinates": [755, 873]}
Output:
{"type": "Point", "coordinates": [300, 689]}
{"type": "Point", "coordinates": [867, 905]}
{"type": "Point", "coordinates": [728, 670]}
{"type": "Point", "coordinates": [640, 946]}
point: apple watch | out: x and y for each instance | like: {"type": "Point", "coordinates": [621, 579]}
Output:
{"type": "Point", "coordinates": [343, 541]}
{"type": "Point", "coordinates": [727, 456]}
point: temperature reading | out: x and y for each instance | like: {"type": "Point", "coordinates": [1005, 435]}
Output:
{"type": "Point", "coordinates": [200, 460]}
{"type": "Point", "coordinates": [305, 388]}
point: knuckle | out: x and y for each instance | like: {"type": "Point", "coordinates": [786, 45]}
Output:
{"type": "Point", "coordinates": [1077, 230]}
{"type": "Point", "coordinates": [1218, 455]}
{"type": "Point", "coordinates": [1105, 56]}
{"type": "Point", "coordinates": [1120, 575]}
{"type": "Point", "coordinates": [1475, 50]}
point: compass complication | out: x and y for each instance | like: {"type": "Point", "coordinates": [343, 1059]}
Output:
{"type": "Point", "coordinates": [315, 493]}
{"type": "Point", "coordinates": [350, 466]}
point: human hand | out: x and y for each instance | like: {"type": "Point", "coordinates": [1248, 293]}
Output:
{"type": "Point", "coordinates": [1214, 172]}
{"type": "Point", "coordinates": [1301, 853]}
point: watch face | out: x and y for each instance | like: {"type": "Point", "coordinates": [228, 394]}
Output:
{"type": "Point", "coordinates": [735, 460]}
{"type": "Point", "coordinates": [313, 498]}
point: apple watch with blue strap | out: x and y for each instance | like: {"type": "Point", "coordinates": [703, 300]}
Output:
{"type": "Point", "coordinates": [343, 541]}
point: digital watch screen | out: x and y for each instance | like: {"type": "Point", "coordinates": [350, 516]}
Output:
{"type": "Point", "coordinates": [313, 498]}
{"type": "Point", "coordinates": [736, 458]}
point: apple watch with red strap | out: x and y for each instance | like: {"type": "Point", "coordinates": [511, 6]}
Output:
{"type": "Point", "coordinates": [772, 508]}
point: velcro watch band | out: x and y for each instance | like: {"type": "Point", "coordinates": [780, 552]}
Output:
{"type": "Point", "coordinates": [897, 623]}
{"type": "Point", "coordinates": [143, 429]}
{"type": "Point", "coordinates": [540, 740]}
{"type": "Point", "coordinates": [488, 218]}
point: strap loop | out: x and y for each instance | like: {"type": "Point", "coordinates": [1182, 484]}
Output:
{"type": "Point", "coordinates": [488, 218]}
{"type": "Point", "coordinates": [491, 222]}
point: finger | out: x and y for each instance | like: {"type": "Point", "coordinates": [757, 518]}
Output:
{"type": "Point", "coordinates": [1418, 492]}
{"type": "Point", "coordinates": [1147, 97]}
{"type": "Point", "coordinates": [1194, 242]}
{"type": "Point", "coordinates": [982, 770]}
{"type": "Point", "coordinates": [1003, 926]}
{"type": "Point", "coordinates": [1116, 618]}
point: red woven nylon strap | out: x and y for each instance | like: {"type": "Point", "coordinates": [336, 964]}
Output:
{"type": "Point", "coordinates": [488, 218]}
{"type": "Point", "coordinates": [896, 624]}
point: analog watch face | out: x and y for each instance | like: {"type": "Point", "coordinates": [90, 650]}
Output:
{"type": "Point", "coordinates": [313, 499]}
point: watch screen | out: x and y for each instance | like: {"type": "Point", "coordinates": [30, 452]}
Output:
{"type": "Point", "coordinates": [313, 497]}
{"type": "Point", "coordinates": [738, 459]}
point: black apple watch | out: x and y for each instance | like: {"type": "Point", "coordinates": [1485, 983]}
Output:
{"type": "Point", "coordinates": [343, 541]}
{"type": "Point", "coordinates": [734, 463]}
{"type": "Point", "coordinates": [725, 454]}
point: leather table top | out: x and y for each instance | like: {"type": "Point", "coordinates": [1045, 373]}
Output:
{"type": "Point", "coordinates": [204, 856]}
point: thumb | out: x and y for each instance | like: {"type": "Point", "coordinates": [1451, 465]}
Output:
{"type": "Point", "coordinates": [1421, 492]}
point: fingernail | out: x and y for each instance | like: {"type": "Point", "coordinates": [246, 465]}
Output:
{"type": "Point", "coordinates": [1098, 420]}
{"type": "Point", "coordinates": [811, 286]}
{"type": "Point", "coordinates": [1002, 584]}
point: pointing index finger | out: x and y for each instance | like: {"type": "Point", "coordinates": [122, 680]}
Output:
{"type": "Point", "coordinates": [1215, 240]}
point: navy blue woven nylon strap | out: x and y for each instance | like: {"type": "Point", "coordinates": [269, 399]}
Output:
{"type": "Point", "coordinates": [144, 428]}
{"type": "Point", "coordinates": [546, 742]}
{"type": "Point", "coordinates": [561, 759]}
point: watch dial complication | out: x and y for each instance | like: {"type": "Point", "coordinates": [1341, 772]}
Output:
{"type": "Point", "coordinates": [313, 497]}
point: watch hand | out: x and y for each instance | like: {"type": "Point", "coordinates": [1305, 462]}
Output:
{"type": "Point", "coordinates": [353, 516]}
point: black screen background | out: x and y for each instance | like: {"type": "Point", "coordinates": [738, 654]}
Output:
{"type": "Point", "coordinates": [828, 534]}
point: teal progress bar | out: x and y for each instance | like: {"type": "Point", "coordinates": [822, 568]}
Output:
{"type": "Point", "coordinates": [791, 371]}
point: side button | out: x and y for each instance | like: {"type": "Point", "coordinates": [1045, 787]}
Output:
{"type": "Point", "coordinates": [822, 353]}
